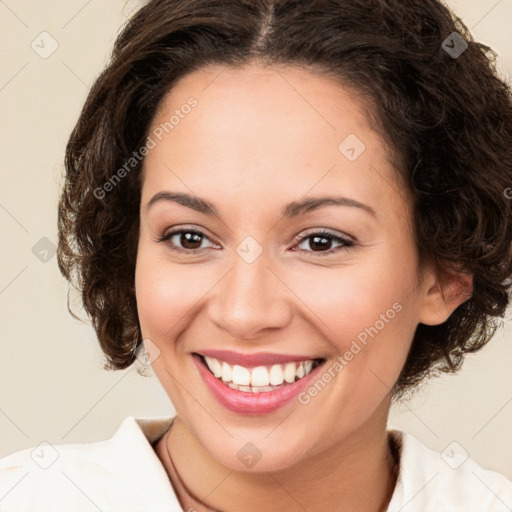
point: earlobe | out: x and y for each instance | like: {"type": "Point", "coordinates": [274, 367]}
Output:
{"type": "Point", "coordinates": [442, 296]}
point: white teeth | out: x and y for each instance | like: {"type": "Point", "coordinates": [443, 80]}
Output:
{"type": "Point", "coordinates": [214, 365]}
{"type": "Point", "coordinates": [241, 376]}
{"type": "Point", "coordinates": [267, 388]}
{"type": "Point", "coordinates": [259, 378]}
{"type": "Point", "coordinates": [252, 389]}
{"type": "Point", "coordinates": [227, 372]}
{"type": "Point", "coordinates": [276, 375]}
{"type": "Point", "coordinates": [289, 372]}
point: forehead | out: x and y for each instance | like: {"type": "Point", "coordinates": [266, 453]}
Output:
{"type": "Point", "coordinates": [274, 131]}
{"type": "Point", "coordinates": [273, 105]}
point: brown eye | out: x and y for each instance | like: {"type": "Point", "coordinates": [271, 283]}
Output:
{"type": "Point", "coordinates": [321, 243]}
{"type": "Point", "coordinates": [189, 240]}
{"type": "Point", "coordinates": [184, 240]}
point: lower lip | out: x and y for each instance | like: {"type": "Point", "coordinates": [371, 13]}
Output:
{"type": "Point", "coordinates": [253, 403]}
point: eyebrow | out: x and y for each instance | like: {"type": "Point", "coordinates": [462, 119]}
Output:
{"type": "Point", "coordinates": [290, 210]}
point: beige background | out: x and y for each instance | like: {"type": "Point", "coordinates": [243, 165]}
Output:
{"type": "Point", "coordinates": [53, 387]}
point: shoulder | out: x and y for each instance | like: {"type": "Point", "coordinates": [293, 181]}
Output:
{"type": "Point", "coordinates": [102, 475]}
{"type": "Point", "coordinates": [449, 481]}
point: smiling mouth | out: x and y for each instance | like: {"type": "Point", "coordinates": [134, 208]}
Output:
{"type": "Point", "coordinates": [259, 379]}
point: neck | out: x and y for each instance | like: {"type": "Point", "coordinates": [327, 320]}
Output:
{"type": "Point", "coordinates": [358, 473]}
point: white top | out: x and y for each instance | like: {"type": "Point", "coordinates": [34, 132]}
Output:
{"type": "Point", "coordinates": [124, 474]}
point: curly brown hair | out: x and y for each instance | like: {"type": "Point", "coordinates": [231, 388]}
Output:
{"type": "Point", "coordinates": [446, 116]}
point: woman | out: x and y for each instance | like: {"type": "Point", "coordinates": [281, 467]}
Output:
{"type": "Point", "coordinates": [299, 210]}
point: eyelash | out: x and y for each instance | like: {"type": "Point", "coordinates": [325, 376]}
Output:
{"type": "Point", "coordinates": [346, 244]}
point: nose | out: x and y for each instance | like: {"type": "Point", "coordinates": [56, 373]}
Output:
{"type": "Point", "coordinates": [250, 300]}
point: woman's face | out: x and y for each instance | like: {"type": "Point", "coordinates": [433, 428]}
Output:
{"type": "Point", "coordinates": [250, 143]}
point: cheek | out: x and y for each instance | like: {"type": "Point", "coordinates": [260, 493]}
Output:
{"type": "Point", "coordinates": [366, 312]}
{"type": "Point", "coordinates": [165, 293]}
{"type": "Point", "coordinates": [366, 317]}
{"type": "Point", "coordinates": [169, 294]}
{"type": "Point", "coordinates": [351, 298]}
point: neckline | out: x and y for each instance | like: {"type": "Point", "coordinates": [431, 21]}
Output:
{"type": "Point", "coordinates": [183, 493]}
{"type": "Point", "coordinates": [187, 499]}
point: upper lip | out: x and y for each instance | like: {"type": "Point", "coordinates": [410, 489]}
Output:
{"type": "Point", "coordinates": [256, 359]}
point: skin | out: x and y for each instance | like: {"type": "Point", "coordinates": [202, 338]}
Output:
{"type": "Point", "coordinates": [258, 139]}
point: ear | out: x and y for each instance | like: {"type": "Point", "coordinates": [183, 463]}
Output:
{"type": "Point", "coordinates": [442, 294]}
